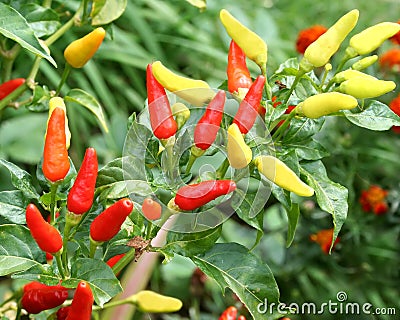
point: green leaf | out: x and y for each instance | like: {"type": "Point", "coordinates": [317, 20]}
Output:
{"type": "Point", "coordinates": [12, 206]}
{"type": "Point", "coordinates": [106, 11]}
{"type": "Point", "coordinates": [311, 150]}
{"type": "Point", "coordinates": [377, 116]}
{"type": "Point", "coordinates": [21, 179]}
{"type": "Point", "coordinates": [89, 102]}
{"type": "Point", "coordinates": [18, 250]}
{"type": "Point", "coordinates": [302, 129]}
{"type": "Point", "coordinates": [234, 266]}
{"type": "Point", "coordinates": [23, 145]}
{"type": "Point", "coordinates": [44, 21]}
{"type": "Point", "coordinates": [99, 275]}
{"type": "Point", "coordinates": [14, 26]}
{"type": "Point", "coordinates": [293, 218]}
{"type": "Point", "coordinates": [190, 244]}
{"type": "Point", "coordinates": [331, 196]}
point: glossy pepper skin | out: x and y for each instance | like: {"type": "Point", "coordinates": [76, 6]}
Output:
{"type": "Point", "coordinates": [38, 297]}
{"type": "Point", "coordinates": [80, 196]}
{"type": "Point", "coordinates": [80, 51]}
{"type": "Point", "coordinates": [152, 302]}
{"type": "Point", "coordinates": [7, 87]}
{"type": "Point", "coordinates": [238, 74]}
{"type": "Point", "coordinates": [108, 223]}
{"type": "Point", "coordinates": [194, 196]}
{"type": "Point", "coordinates": [280, 174]}
{"type": "Point", "coordinates": [151, 209]}
{"type": "Point", "coordinates": [249, 106]}
{"type": "Point", "coordinates": [253, 46]}
{"type": "Point", "coordinates": [58, 102]}
{"type": "Point", "coordinates": [55, 164]}
{"type": "Point", "coordinates": [362, 87]}
{"type": "Point", "coordinates": [239, 153]}
{"type": "Point", "coordinates": [196, 92]}
{"type": "Point", "coordinates": [349, 74]}
{"type": "Point", "coordinates": [207, 128]}
{"type": "Point", "coordinates": [161, 119]}
{"type": "Point", "coordinates": [321, 50]}
{"type": "Point", "coordinates": [46, 236]}
{"type": "Point", "coordinates": [364, 62]}
{"type": "Point", "coordinates": [81, 306]}
{"type": "Point", "coordinates": [371, 38]}
{"type": "Point", "coordinates": [325, 103]}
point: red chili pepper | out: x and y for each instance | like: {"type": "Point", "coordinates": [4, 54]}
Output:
{"type": "Point", "coordinates": [161, 119]}
{"type": "Point", "coordinates": [46, 236]}
{"type": "Point", "coordinates": [38, 297]}
{"type": "Point", "coordinates": [55, 155]}
{"type": "Point", "coordinates": [81, 306]}
{"type": "Point", "coordinates": [80, 197]}
{"type": "Point", "coordinates": [207, 128]}
{"type": "Point", "coordinates": [108, 223]}
{"type": "Point", "coordinates": [237, 71]}
{"type": "Point", "coordinates": [49, 256]}
{"type": "Point", "coordinates": [193, 196]}
{"type": "Point", "coordinates": [229, 314]}
{"type": "Point", "coordinates": [112, 261]}
{"type": "Point", "coordinates": [7, 87]}
{"type": "Point", "coordinates": [62, 313]}
{"type": "Point", "coordinates": [248, 108]}
{"type": "Point", "coordinates": [151, 209]}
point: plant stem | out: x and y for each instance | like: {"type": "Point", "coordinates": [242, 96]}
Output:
{"type": "Point", "coordinates": [125, 260]}
{"type": "Point", "coordinates": [278, 133]}
{"type": "Point", "coordinates": [53, 194]}
{"type": "Point", "coordinates": [60, 266]}
{"type": "Point", "coordinates": [300, 73]}
{"type": "Point", "coordinates": [56, 35]}
{"type": "Point", "coordinates": [66, 72]}
{"type": "Point", "coordinates": [67, 230]}
{"type": "Point", "coordinates": [221, 171]}
{"type": "Point", "coordinates": [93, 248]}
{"type": "Point", "coordinates": [267, 86]}
{"type": "Point", "coordinates": [192, 159]}
{"type": "Point", "coordinates": [47, 3]}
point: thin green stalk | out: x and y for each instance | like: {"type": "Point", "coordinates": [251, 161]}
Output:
{"type": "Point", "coordinates": [278, 133]}
{"type": "Point", "coordinates": [221, 171]}
{"type": "Point", "coordinates": [53, 194]}
{"type": "Point", "coordinates": [93, 248]}
{"type": "Point", "coordinates": [114, 304]}
{"type": "Point", "coordinates": [8, 61]}
{"type": "Point", "coordinates": [124, 261]}
{"type": "Point", "coordinates": [300, 73]}
{"type": "Point", "coordinates": [67, 230]}
{"type": "Point", "coordinates": [60, 266]}
{"type": "Point", "coordinates": [192, 159]}
{"type": "Point", "coordinates": [268, 89]}
{"type": "Point", "coordinates": [66, 72]}
{"type": "Point", "coordinates": [149, 228]}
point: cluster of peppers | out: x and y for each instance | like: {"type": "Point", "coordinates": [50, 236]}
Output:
{"type": "Point", "coordinates": [349, 85]}
{"type": "Point", "coordinates": [36, 296]}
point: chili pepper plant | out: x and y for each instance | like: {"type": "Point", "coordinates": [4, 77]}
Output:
{"type": "Point", "coordinates": [194, 157]}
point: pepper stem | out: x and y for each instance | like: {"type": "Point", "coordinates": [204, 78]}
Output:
{"type": "Point", "coordinates": [66, 72]}
{"type": "Point", "coordinates": [93, 247]}
{"type": "Point", "coordinates": [60, 265]}
{"type": "Point", "coordinates": [278, 133]}
{"type": "Point", "coordinates": [126, 259]}
{"type": "Point", "coordinates": [300, 73]}
{"type": "Point", "coordinates": [268, 89]}
{"type": "Point", "coordinates": [53, 194]}
{"type": "Point", "coordinates": [221, 171]}
{"type": "Point", "coordinates": [67, 229]}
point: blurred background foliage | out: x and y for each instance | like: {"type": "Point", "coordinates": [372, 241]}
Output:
{"type": "Point", "coordinates": [364, 264]}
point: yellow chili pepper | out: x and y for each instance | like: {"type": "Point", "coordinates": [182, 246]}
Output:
{"type": "Point", "coordinates": [152, 302]}
{"type": "Point", "coordinates": [364, 63]}
{"type": "Point", "coordinates": [253, 46]}
{"type": "Point", "coordinates": [181, 113]}
{"type": "Point", "coordinates": [280, 174]}
{"type": "Point", "coordinates": [349, 74]}
{"type": "Point", "coordinates": [363, 88]}
{"type": "Point", "coordinates": [371, 38]}
{"type": "Point", "coordinates": [325, 103]}
{"type": "Point", "coordinates": [82, 50]}
{"type": "Point", "coordinates": [196, 92]}
{"type": "Point", "coordinates": [239, 153]}
{"type": "Point", "coordinates": [58, 102]}
{"type": "Point", "coordinates": [321, 50]}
